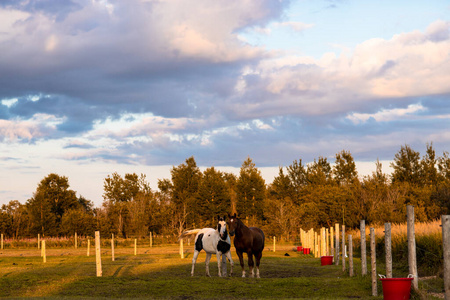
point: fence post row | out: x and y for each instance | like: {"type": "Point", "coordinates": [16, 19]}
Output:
{"type": "Point", "coordinates": [412, 245]}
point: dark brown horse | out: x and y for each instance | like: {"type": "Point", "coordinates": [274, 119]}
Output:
{"type": "Point", "coordinates": [249, 240]}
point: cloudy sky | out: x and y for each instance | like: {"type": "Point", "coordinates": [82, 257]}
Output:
{"type": "Point", "coordinates": [90, 87]}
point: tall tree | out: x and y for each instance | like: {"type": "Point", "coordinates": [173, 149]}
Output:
{"type": "Point", "coordinates": [213, 197]}
{"type": "Point", "coordinates": [298, 177]}
{"type": "Point", "coordinates": [51, 200]}
{"type": "Point", "coordinates": [250, 192]}
{"type": "Point", "coordinates": [406, 166]}
{"type": "Point", "coordinates": [344, 169]}
{"type": "Point", "coordinates": [184, 193]}
{"type": "Point", "coordinates": [429, 172]}
{"type": "Point", "coordinates": [118, 192]}
{"type": "Point", "coordinates": [319, 172]}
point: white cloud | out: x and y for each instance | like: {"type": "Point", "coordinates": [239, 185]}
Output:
{"type": "Point", "coordinates": [40, 125]}
{"type": "Point", "coordinates": [386, 115]}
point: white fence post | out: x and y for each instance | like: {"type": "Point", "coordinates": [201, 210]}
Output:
{"type": "Point", "coordinates": [412, 246]}
{"type": "Point", "coordinates": [388, 247]}
{"type": "Point", "coordinates": [113, 258]}
{"type": "Point", "coordinates": [445, 220]}
{"type": "Point", "coordinates": [98, 258]}
{"type": "Point", "coordinates": [343, 247]}
{"type": "Point", "coordinates": [373, 261]}
{"type": "Point", "coordinates": [350, 255]}
{"type": "Point", "coordinates": [336, 257]}
{"type": "Point", "coordinates": [362, 231]}
{"type": "Point", "coordinates": [44, 254]}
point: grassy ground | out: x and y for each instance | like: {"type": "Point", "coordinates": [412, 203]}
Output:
{"type": "Point", "coordinates": [159, 272]}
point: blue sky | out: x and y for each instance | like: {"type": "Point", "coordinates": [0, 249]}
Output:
{"type": "Point", "coordinates": [90, 87]}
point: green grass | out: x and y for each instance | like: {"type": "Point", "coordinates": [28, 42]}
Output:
{"type": "Point", "coordinates": [161, 273]}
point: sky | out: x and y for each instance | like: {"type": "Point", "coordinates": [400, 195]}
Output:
{"type": "Point", "coordinates": [92, 87]}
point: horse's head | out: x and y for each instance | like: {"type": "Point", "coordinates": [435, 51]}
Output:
{"type": "Point", "coordinates": [232, 223]}
{"type": "Point", "coordinates": [222, 227]}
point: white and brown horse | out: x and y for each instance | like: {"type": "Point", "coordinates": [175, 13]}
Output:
{"type": "Point", "coordinates": [213, 241]}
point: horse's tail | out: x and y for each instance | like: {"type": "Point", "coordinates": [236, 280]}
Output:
{"type": "Point", "coordinates": [189, 233]}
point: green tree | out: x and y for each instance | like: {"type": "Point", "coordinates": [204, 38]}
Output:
{"type": "Point", "coordinates": [118, 192]}
{"type": "Point", "coordinates": [250, 192]}
{"type": "Point", "coordinates": [298, 178]}
{"type": "Point", "coordinates": [213, 197]}
{"type": "Point", "coordinates": [406, 166]}
{"type": "Point", "coordinates": [344, 169]}
{"type": "Point", "coordinates": [19, 217]}
{"type": "Point", "coordinates": [429, 172]}
{"type": "Point", "coordinates": [49, 203]}
{"type": "Point", "coordinates": [319, 172]}
{"type": "Point", "coordinates": [183, 193]}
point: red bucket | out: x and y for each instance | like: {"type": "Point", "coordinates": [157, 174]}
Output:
{"type": "Point", "coordinates": [326, 260]}
{"type": "Point", "coordinates": [396, 288]}
{"type": "Point", "coordinates": [299, 249]}
{"type": "Point", "coordinates": [306, 250]}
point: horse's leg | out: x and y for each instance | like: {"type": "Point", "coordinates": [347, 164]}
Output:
{"type": "Point", "coordinates": [258, 260]}
{"type": "Point", "coordinates": [194, 260]}
{"type": "Point", "coordinates": [219, 263]}
{"type": "Point", "coordinates": [228, 254]}
{"type": "Point", "coordinates": [241, 260]}
{"type": "Point", "coordinates": [208, 257]}
{"type": "Point", "coordinates": [250, 263]}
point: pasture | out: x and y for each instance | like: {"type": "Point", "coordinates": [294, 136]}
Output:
{"type": "Point", "coordinates": [159, 272]}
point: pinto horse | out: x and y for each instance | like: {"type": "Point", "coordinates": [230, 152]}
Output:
{"type": "Point", "coordinates": [212, 241]}
{"type": "Point", "coordinates": [249, 240]}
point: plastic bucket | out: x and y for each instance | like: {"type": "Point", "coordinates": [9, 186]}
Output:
{"type": "Point", "coordinates": [326, 260]}
{"type": "Point", "coordinates": [396, 288]}
{"type": "Point", "coordinates": [299, 249]}
{"type": "Point", "coordinates": [306, 250]}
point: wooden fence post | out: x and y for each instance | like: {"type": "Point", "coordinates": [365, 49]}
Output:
{"type": "Point", "coordinates": [445, 220]}
{"type": "Point", "coordinates": [1, 246]}
{"type": "Point", "coordinates": [350, 255]}
{"type": "Point", "coordinates": [112, 248]}
{"type": "Point", "coordinates": [151, 239]}
{"type": "Point", "coordinates": [181, 248]}
{"type": "Point", "coordinates": [39, 241]}
{"type": "Point", "coordinates": [88, 247]}
{"type": "Point", "coordinates": [362, 230]}
{"type": "Point", "coordinates": [412, 245]}
{"type": "Point", "coordinates": [76, 240]}
{"type": "Point", "coordinates": [343, 248]}
{"type": "Point", "coordinates": [374, 262]}
{"type": "Point", "coordinates": [388, 247]}
{"type": "Point", "coordinates": [327, 236]}
{"type": "Point", "coordinates": [336, 260]}
{"type": "Point", "coordinates": [274, 241]}
{"type": "Point", "coordinates": [331, 240]}
{"type": "Point", "coordinates": [135, 246]}
{"type": "Point", "coordinates": [322, 242]}
{"type": "Point", "coordinates": [44, 254]}
{"type": "Point", "coordinates": [98, 259]}
{"type": "Point", "coordinates": [224, 265]}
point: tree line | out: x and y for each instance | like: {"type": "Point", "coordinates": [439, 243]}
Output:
{"type": "Point", "coordinates": [305, 196]}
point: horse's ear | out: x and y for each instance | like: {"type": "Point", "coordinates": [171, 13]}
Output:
{"type": "Point", "coordinates": [234, 215]}
{"type": "Point", "coordinates": [218, 218]}
{"type": "Point", "coordinates": [224, 217]}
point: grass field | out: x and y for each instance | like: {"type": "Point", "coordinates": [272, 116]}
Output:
{"type": "Point", "coordinates": [159, 272]}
